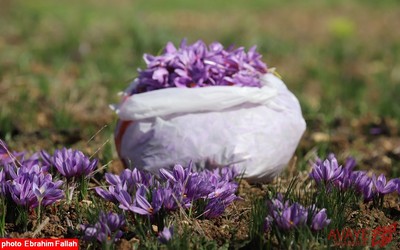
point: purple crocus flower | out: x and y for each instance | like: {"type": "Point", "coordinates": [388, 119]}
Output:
{"type": "Point", "coordinates": [47, 159]}
{"type": "Point", "coordinates": [287, 215]}
{"type": "Point", "coordinates": [73, 163]}
{"type": "Point", "coordinates": [350, 163]}
{"type": "Point", "coordinates": [360, 179]}
{"type": "Point", "coordinates": [345, 181]}
{"type": "Point", "coordinates": [49, 192]}
{"type": "Point", "coordinates": [124, 198]}
{"type": "Point", "coordinates": [214, 208]}
{"type": "Point", "coordinates": [327, 171]}
{"type": "Point", "coordinates": [368, 191]}
{"type": "Point", "coordinates": [397, 180]}
{"type": "Point", "coordinates": [109, 195]}
{"type": "Point", "coordinates": [113, 221]}
{"type": "Point", "coordinates": [363, 184]}
{"type": "Point", "coordinates": [107, 229]}
{"type": "Point", "coordinates": [229, 173]}
{"type": "Point", "coordinates": [268, 222]}
{"type": "Point", "coordinates": [180, 188]}
{"type": "Point", "coordinates": [290, 217]}
{"type": "Point", "coordinates": [225, 193]}
{"type": "Point", "coordinates": [382, 187]}
{"type": "Point", "coordinates": [166, 235]}
{"type": "Point", "coordinates": [28, 189]}
{"type": "Point", "coordinates": [128, 180]}
{"type": "Point", "coordinates": [320, 220]}
{"type": "Point", "coordinates": [122, 186]}
{"type": "Point", "coordinates": [178, 174]}
{"type": "Point", "coordinates": [198, 186]}
{"type": "Point", "coordinates": [170, 201]}
{"type": "Point", "coordinates": [22, 194]}
{"type": "Point", "coordinates": [142, 206]}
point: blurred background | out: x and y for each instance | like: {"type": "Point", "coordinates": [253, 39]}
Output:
{"type": "Point", "coordinates": [63, 62]}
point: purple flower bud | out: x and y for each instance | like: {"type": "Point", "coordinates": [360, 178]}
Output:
{"type": "Point", "coordinates": [46, 159]}
{"type": "Point", "coordinates": [367, 190]}
{"type": "Point", "coordinates": [320, 220]}
{"type": "Point", "coordinates": [268, 223]}
{"type": "Point", "coordinates": [166, 235]}
{"type": "Point", "coordinates": [106, 229]}
{"type": "Point", "coordinates": [350, 163]}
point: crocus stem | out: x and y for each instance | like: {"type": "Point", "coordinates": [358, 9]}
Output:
{"type": "Point", "coordinates": [39, 212]}
{"type": "Point", "coordinates": [107, 245]}
{"type": "Point", "coordinates": [3, 217]}
{"type": "Point", "coordinates": [381, 196]}
{"type": "Point", "coordinates": [22, 218]}
{"type": "Point", "coordinates": [83, 187]}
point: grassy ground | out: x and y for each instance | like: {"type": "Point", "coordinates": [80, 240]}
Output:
{"type": "Point", "coordinates": [63, 62]}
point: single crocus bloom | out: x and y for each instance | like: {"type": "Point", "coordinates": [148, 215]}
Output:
{"type": "Point", "coordinates": [327, 171]}
{"type": "Point", "coordinates": [166, 235]}
{"type": "Point", "coordinates": [107, 228]}
{"type": "Point", "coordinates": [73, 163]}
{"type": "Point", "coordinates": [320, 220]}
{"type": "Point", "coordinates": [383, 187]}
{"type": "Point", "coordinates": [291, 217]}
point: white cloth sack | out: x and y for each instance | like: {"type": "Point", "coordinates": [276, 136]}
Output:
{"type": "Point", "coordinates": [255, 129]}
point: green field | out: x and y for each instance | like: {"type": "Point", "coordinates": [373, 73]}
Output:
{"type": "Point", "coordinates": [63, 62]}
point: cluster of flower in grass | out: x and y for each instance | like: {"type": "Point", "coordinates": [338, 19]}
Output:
{"type": "Point", "coordinates": [29, 180]}
{"type": "Point", "coordinates": [207, 193]}
{"type": "Point", "coordinates": [26, 180]}
{"type": "Point", "coordinates": [329, 174]}
{"type": "Point", "coordinates": [287, 215]}
{"type": "Point", "coordinates": [40, 180]}
{"type": "Point", "coordinates": [197, 65]}
{"type": "Point", "coordinates": [108, 229]}
{"type": "Point", "coordinates": [36, 181]}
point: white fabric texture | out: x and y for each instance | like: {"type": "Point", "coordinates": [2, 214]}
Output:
{"type": "Point", "coordinates": [255, 129]}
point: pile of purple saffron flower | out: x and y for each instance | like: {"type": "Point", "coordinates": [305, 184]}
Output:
{"type": "Point", "coordinates": [142, 194]}
{"type": "Point", "coordinates": [329, 173]}
{"type": "Point", "coordinates": [196, 65]}
{"type": "Point", "coordinates": [287, 215]}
